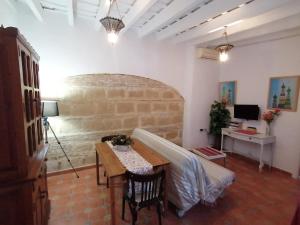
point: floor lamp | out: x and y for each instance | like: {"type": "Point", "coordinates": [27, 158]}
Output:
{"type": "Point", "coordinates": [50, 109]}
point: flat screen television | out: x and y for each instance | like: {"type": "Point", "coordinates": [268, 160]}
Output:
{"type": "Point", "coordinates": [247, 112]}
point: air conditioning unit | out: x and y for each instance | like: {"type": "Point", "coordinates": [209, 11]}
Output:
{"type": "Point", "coordinates": [206, 53]}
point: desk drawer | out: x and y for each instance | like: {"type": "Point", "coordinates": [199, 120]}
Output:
{"type": "Point", "coordinates": [243, 137]}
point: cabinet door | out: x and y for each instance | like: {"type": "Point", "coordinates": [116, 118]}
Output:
{"type": "Point", "coordinates": [44, 195]}
{"type": "Point", "coordinates": [37, 104]}
{"type": "Point", "coordinates": [6, 156]}
{"type": "Point", "coordinates": [15, 205]}
{"type": "Point", "coordinates": [32, 101]}
{"type": "Point", "coordinates": [41, 201]}
{"type": "Point", "coordinates": [25, 64]}
{"type": "Point", "coordinates": [13, 156]}
{"type": "Point", "coordinates": [9, 206]}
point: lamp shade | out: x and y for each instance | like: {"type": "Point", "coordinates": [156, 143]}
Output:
{"type": "Point", "coordinates": [112, 24]}
{"type": "Point", "coordinates": [49, 108]}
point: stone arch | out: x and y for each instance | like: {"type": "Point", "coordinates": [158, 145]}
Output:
{"type": "Point", "coordinates": [96, 105]}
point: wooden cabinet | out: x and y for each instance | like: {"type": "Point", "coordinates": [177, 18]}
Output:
{"type": "Point", "coordinates": [40, 198]}
{"type": "Point", "coordinates": [23, 172]}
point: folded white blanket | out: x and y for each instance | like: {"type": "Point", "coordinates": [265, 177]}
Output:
{"type": "Point", "coordinates": [190, 181]}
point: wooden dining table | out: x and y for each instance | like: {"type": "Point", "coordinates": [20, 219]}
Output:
{"type": "Point", "coordinates": [115, 170]}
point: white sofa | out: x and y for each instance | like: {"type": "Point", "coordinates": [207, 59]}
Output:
{"type": "Point", "coordinates": [193, 179]}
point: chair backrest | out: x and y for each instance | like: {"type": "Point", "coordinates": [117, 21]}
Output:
{"type": "Point", "coordinates": [149, 186]}
{"type": "Point", "coordinates": [108, 138]}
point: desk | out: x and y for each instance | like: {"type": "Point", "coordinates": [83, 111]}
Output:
{"type": "Point", "coordinates": [260, 139]}
{"type": "Point", "coordinates": [116, 170]}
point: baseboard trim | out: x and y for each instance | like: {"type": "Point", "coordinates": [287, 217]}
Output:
{"type": "Point", "coordinates": [60, 172]}
{"type": "Point", "coordinates": [282, 171]}
{"type": "Point", "coordinates": [255, 161]}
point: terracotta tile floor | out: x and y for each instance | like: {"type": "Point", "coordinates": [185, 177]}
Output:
{"type": "Point", "coordinates": [254, 199]}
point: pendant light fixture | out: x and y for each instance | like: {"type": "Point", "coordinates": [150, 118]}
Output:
{"type": "Point", "coordinates": [223, 49]}
{"type": "Point", "coordinates": [112, 25]}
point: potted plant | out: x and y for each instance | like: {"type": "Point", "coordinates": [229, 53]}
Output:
{"type": "Point", "coordinates": [219, 118]}
{"type": "Point", "coordinates": [121, 142]}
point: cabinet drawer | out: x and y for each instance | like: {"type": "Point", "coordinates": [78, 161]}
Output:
{"type": "Point", "coordinates": [247, 138]}
{"type": "Point", "coordinates": [243, 137]}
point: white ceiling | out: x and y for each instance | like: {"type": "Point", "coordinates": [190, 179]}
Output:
{"type": "Point", "coordinates": [200, 22]}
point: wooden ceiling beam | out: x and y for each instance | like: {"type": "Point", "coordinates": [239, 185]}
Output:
{"type": "Point", "coordinates": [70, 12]}
{"type": "Point", "coordinates": [137, 10]}
{"type": "Point", "coordinates": [102, 11]}
{"type": "Point", "coordinates": [175, 9]}
{"type": "Point", "coordinates": [253, 9]}
{"type": "Point", "coordinates": [210, 10]}
{"type": "Point", "coordinates": [279, 19]}
{"type": "Point", "coordinates": [36, 8]}
{"type": "Point", "coordinates": [11, 5]}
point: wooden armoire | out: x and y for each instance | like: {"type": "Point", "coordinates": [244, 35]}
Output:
{"type": "Point", "coordinates": [23, 180]}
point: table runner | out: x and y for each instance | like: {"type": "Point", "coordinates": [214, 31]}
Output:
{"type": "Point", "coordinates": [132, 160]}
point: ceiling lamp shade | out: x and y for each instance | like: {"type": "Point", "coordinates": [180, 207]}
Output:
{"type": "Point", "coordinates": [223, 49]}
{"type": "Point", "coordinates": [112, 25]}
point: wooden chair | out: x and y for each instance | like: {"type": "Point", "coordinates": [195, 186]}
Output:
{"type": "Point", "coordinates": [103, 139]}
{"type": "Point", "coordinates": [143, 191]}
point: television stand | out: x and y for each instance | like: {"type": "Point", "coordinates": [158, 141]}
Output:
{"type": "Point", "coordinates": [258, 138]}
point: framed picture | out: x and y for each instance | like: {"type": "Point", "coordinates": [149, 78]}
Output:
{"type": "Point", "coordinates": [283, 93]}
{"type": "Point", "coordinates": [228, 92]}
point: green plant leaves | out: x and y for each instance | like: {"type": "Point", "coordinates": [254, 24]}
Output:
{"type": "Point", "coordinates": [121, 140]}
{"type": "Point", "coordinates": [219, 118]}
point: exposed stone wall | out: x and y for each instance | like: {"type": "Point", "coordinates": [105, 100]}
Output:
{"type": "Point", "coordinates": [101, 104]}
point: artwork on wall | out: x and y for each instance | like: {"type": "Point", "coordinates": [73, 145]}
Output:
{"type": "Point", "coordinates": [228, 92]}
{"type": "Point", "coordinates": [283, 93]}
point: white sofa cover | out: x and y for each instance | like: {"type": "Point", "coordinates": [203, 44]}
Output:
{"type": "Point", "coordinates": [192, 178]}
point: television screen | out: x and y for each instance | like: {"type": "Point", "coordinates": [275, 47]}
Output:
{"type": "Point", "coordinates": [247, 112]}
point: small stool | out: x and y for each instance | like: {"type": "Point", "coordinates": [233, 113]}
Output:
{"type": "Point", "coordinates": [209, 153]}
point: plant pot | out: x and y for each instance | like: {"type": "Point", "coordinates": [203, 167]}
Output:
{"type": "Point", "coordinates": [217, 142]}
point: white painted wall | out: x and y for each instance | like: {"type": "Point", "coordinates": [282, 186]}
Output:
{"type": "Point", "coordinates": [252, 66]}
{"type": "Point", "coordinates": [66, 50]}
{"type": "Point", "coordinates": [7, 14]}
{"type": "Point", "coordinates": [201, 89]}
